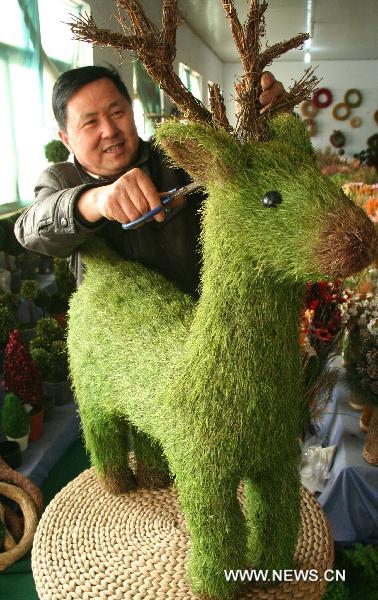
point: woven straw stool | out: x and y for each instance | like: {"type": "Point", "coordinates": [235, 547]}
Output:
{"type": "Point", "coordinates": [90, 544]}
{"type": "Point", "coordinates": [370, 451]}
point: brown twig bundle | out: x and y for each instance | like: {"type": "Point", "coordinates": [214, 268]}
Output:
{"type": "Point", "coordinates": [156, 49]}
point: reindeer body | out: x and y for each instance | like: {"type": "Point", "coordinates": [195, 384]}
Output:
{"type": "Point", "coordinates": [213, 388]}
{"type": "Point", "coordinates": [215, 385]}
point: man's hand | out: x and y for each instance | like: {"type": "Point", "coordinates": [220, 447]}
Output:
{"type": "Point", "coordinates": [127, 199]}
{"type": "Point", "coordinates": [272, 91]}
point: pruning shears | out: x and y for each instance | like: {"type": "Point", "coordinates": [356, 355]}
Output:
{"type": "Point", "coordinates": [165, 201]}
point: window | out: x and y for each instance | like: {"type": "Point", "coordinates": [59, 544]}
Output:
{"type": "Point", "coordinates": [191, 79]}
{"type": "Point", "coordinates": [34, 51]}
{"type": "Point", "coordinates": [147, 102]}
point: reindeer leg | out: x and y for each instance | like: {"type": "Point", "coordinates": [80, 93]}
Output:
{"type": "Point", "coordinates": [108, 441]}
{"type": "Point", "coordinates": [273, 513]}
{"type": "Point", "coordinates": [152, 469]}
{"type": "Point", "coordinates": [218, 532]}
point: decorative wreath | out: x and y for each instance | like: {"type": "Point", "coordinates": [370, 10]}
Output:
{"type": "Point", "coordinates": [355, 121]}
{"type": "Point", "coordinates": [341, 111]}
{"type": "Point", "coordinates": [337, 139]}
{"type": "Point", "coordinates": [309, 109]}
{"type": "Point", "coordinates": [310, 126]}
{"type": "Point", "coordinates": [317, 98]}
{"type": "Point", "coordinates": [350, 102]}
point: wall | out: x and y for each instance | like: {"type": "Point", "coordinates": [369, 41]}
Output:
{"type": "Point", "coordinates": [190, 48]}
{"type": "Point", "coordinates": [338, 76]}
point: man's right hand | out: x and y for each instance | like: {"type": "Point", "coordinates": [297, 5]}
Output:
{"type": "Point", "coordinates": [127, 199]}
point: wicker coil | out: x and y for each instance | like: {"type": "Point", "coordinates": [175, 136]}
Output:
{"type": "Point", "coordinates": [370, 451]}
{"type": "Point", "coordinates": [90, 544]}
{"type": "Point", "coordinates": [29, 512]}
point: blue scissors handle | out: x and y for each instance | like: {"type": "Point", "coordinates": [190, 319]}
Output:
{"type": "Point", "coordinates": [138, 222]}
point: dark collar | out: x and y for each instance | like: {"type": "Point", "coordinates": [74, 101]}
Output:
{"type": "Point", "coordinates": [142, 158]}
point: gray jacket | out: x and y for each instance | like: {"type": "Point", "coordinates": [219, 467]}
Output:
{"type": "Point", "coordinates": [51, 225]}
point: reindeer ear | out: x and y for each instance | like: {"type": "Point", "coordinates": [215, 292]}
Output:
{"type": "Point", "coordinates": [204, 152]}
{"type": "Point", "coordinates": [291, 129]}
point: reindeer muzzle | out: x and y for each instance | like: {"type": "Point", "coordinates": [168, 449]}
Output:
{"type": "Point", "coordinates": [348, 242]}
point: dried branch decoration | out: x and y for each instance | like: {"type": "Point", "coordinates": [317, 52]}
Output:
{"type": "Point", "coordinates": [247, 38]}
{"type": "Point", "coordinates": [157, 49]}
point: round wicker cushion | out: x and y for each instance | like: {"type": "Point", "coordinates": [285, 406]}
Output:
{"type": "Point", "coordinates": [91, 544]}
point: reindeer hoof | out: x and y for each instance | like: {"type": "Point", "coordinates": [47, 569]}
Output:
{"type": "Point", "coordinates": [117, 482]}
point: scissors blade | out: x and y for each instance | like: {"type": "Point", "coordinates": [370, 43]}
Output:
{"type": "Point", "coordinates": [165, 200]}
{"type": "Point", "coordinates": [184, 191]}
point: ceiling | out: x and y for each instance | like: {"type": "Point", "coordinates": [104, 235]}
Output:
{"type": "Point", "coordinates": [342, 29]}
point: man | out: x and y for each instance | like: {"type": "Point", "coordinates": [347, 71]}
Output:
{"type": "Point", "coordinates": [115, 178]}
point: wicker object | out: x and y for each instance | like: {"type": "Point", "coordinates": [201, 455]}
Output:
{"type": "Point", "coordinates": [30, 520]}
{"type": "Point", "coordinates": [90, 544]}
{"type": "Point", "coordinates": [365, 418]}
{"type": "Point", "coordinates": [370, 451]}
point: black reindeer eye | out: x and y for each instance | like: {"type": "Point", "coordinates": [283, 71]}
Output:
{"type": "Point", "coordinates": [272, 199]}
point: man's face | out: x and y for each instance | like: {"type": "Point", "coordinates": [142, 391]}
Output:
{"type": "Point", "coordinates": [100, 129]}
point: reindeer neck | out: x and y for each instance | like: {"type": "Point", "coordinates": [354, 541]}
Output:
{"type": "Point", "coordinates": [238, 295]}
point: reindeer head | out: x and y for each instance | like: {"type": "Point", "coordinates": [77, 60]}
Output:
{"type": "Point", "coordinates": [271, 198]}
{"type": "Point", "coordinates": [263, 183]}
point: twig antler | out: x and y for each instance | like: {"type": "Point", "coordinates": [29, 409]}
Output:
{"type": "Point", "coordinates": [247, 38]}
{"type": "Point", "coordinates": [157, 50]}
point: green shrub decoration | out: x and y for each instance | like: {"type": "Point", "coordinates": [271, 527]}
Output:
{"type": "Point", "coordinates": [43, 358]}
{"type": "Point", "coordinates": [66, 285]}
{"type": "Point", "coordinates": [7, 324]}
{"type": "Point", "coordinates": [360, 563]}
{"type": "Point", "coordinates": [14, 418]}
{"type": "Point", "coordinates": [336, 590]}
{"type": "Point", "coordinates": [30, 290]}
{"type": "Point", "coordinates": [9, 304]}
{"type": "Point", "coordinates": [48, 330]}
{"type": "Point", "coordinates": [10, 300]}
{"type": "Point", "coordinates": [48, 350]}
{"type": "Point", "coordinates": [214, 388]}
{"type": "Point", "coordinates": [56, 151]}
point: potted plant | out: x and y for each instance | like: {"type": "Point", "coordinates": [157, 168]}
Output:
{"type": "Point", "coordinates": [7, 324]}
{"type": "Point", "coordinates": [35, 415]}
{"type": "Point", "coordinates": [8, 308]}
{"type": "Point", "coordinates": [15, 420]}
{"type": "Point", "coordinates": [56, 151]}
{"type": "Point", "coordinates": [66, 285]}
{"type": "Point", "coordinates": [48, 351]}
{"type": "Point", "coordinates": [10, 300]}
{"type": "Point", "coordinates": [30, 291]}
{"type": "Point", "coordinates": [21, 374]}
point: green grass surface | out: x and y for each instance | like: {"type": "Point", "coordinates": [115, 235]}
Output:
{"type": "Point", "coordinates": [16, 582]}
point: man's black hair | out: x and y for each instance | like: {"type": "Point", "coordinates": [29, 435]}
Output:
{"type": "Point", "coordinates": [71, 81]}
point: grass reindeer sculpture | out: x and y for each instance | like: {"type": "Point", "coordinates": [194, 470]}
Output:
{"type": "Point", "coordinates": [212, 388]}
